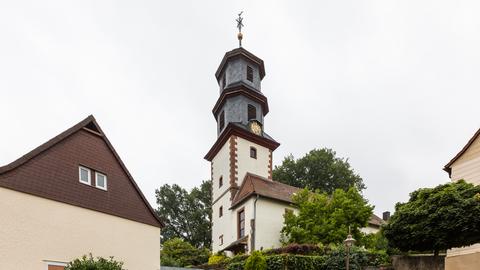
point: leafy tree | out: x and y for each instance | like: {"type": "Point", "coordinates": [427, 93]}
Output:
{"type": "Point", "coordinates": [176, 252]}
{"type": "Point", "coordinates": [318, 169]}
{"type": "Point", "coordinates": [256, 261]}
{"type": "Point", "coordinates": [90, 263]}
{"type": "Point", "coordinates": [439, 218]}
{"type": "Point", "coordinates": [324, 218]}
{"type": "Point", "coordinates": [187, 215]}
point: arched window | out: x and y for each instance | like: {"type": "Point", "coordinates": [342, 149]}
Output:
{"type": "Point", "coordinates": [250, 73]}
{"type": "Point", "coordinates": [252, 112]}
{"type": "Point", "coordinates": [220, 182]}
{"type": "Point", "coordinates": [221, 120]}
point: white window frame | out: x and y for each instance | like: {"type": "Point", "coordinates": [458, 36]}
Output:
{"type": "Point", "coordinates": [80, 168]}
{"type": "Point", "coordinates": [96, 182]}
{"type": "Point", "coordinates": [53, 263]}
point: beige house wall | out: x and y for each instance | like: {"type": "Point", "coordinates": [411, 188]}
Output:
{"type": "Point", "coordinates": [246, 164]}
{"type": "Point", "coordinates": [466, 167]}
{"type": "Point", "coordinates": [34, 230]}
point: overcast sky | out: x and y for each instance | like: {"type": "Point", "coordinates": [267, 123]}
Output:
{"type": "Point", "coordinates": [391, 85]}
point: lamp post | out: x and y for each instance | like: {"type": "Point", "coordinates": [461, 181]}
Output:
{"type": "Point", "coordinates": [348, 243]}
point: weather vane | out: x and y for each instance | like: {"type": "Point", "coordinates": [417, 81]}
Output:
{"type": "Point", "coordinates": [239, 26]}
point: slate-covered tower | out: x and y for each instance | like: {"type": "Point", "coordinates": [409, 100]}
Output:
{"type": "Point", "coordinates": [242, 146]}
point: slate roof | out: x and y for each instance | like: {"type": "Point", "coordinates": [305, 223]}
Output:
{"type": "Point", "coordinates": [376, 221]}
{"type": "Point", "coordinates": [257, 185]}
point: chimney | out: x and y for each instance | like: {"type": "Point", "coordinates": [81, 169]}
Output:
{"type": "Point", "coordinates": [386, 215]}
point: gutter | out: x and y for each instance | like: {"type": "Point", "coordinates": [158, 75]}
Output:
{"type": "Point", "coordinates": [254, 222]}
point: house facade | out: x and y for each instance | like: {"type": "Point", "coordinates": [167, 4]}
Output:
{"type": "Point", "coordinates": [70, 197]}
{"type": "Point", "coordinates": [465, 165]}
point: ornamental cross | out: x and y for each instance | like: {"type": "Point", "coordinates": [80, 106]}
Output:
{"type": "Point", "coordinates": [240, 22]}
{"type": "Point", "coordinates": [239, 26]}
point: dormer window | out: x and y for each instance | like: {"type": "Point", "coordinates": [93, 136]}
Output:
{"type": "Point", "coordinates": [100, 181]}
{"type": "Point", "coordinates": [221, 120]}
{"type": "Point", "coordinates": [84, 175]}
{"type": "Point", "coordinates": [252, 112]}
{"type": "Point", "coordinates": [250, 73]}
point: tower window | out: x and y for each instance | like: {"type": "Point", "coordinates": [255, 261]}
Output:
{"type": "Point", "coordinates": [241, 223]}
{"type": "Point", "coordinates": [252, 112]}
{"type": "Point", "coordinates": [220, 211]}
{"type": "Point", "coordinates": [224, 80]}
{"type": "Point", "coordinates": [250, 73]}
{"type": "Point", "coordinates": [253, 152]}
{"type": "Point", "coordinates": [220, 239]}
{"type": "Point", "coordinates": [221, 120]}
{"type": "Point", "coordinates": [220, 182]}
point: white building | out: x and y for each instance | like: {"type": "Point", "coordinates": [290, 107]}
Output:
{"type": "Point", "coordinates": [248, 206]}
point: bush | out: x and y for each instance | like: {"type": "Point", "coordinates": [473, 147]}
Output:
{"type": "Point", "coordinates": [236, 266]}
{"type": "Point", "coordinates": [176, 252]}
{"type": "Point", "coordinates": [90, 263]}
{"type": "Point", "coordinates": [217, 258]}
{"type": "Point", "coordinates": [256, 261]}
{"type": "Point", "coordinates": [298, 249]}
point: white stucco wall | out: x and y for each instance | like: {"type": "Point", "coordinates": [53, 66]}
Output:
{"type": "Point", "coordinates": [269, 223]}
{"type": "Point", "coordinates": [369, 230]}
{"type": "Point", "coordinates": [221, 168]}
{"type": "Point", "coordinates": [34, 230]}
{"type": "Point", "coordinates": [258, 166]}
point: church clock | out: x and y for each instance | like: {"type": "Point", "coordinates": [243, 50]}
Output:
{"type": "Point", "coordinates": [256, 128]}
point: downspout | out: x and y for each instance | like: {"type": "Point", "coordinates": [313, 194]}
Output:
{"type": "Point", "coordinates": [254, 222]}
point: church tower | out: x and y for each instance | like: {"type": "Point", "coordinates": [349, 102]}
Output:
{"type": "Point", "coordinates": [242, 147]}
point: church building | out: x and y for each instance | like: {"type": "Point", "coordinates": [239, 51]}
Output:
{"type": "Point", "coordinates": [247, 204]}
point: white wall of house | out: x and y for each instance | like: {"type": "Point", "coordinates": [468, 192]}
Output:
{"type": "Point", "coordinates": [34, 230]}
{"type": "Point", "coordinates": [269, 222]}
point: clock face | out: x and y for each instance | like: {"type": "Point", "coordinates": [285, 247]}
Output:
{"type": "Point", "coordinates": [256, 128]}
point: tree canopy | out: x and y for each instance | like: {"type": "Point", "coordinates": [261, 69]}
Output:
{"type": "Point", "coordinates": [325, 218]}
{"type": "Point", "coordinates": [187, 215]}
{"type": "Point", "coordinates": [318, 169]}
{"type": "Point", "coordinates": [176, 252]}
{"type": "Point", "coordinates": [439, 218]}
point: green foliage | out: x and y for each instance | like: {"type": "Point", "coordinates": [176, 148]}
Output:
{"type": "Point", "coordinates": [90, 263]}
{"type": "Point", "coordinates": [318, 169]}
{"type": "Point", "coordinates": [325, 219]}
{"type": "Point", "coordinates": [334, 260]}
{"type": "Point", "coordinates": [218, 258]}
{"type": "Point", "coordinates": [439, 218]}
{"type": "Point", "coordinates": [176, 252]}
{"type": "Point", "coordinates": [256, 261]}
{"type": "Point", "coordinates": [376, 241]}
{"type": "Point", "coordinates": [187, 215]}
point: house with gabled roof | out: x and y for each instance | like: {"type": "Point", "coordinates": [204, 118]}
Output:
{"type": "Point", "coordinates": [72, 196]}
{"type": "Point", "coordinates": [465, 165]}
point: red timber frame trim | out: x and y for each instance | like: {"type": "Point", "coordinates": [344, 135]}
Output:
{"type": "Point", "coordinates": [233, 166]}
{"type": "Point", "coordinates": [270, 169]}
{"type": "Point", "coordinates": [232, 130]}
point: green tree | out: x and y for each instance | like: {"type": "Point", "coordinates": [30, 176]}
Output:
{"type": "Point", "coordinates": [256, 261]}
{"type": "Point", "coordinates": [176, 252]}
{"type": "Point", "coordinates": [439, 218]}
{"type": "Point", "coordinates": [324, 218]}
{"type": "Point", "coordinates": [187, 215]}
{"type": "Point", "coordinates": [90, 263]}
{"type": "Point", "coordinates": [318, 169]}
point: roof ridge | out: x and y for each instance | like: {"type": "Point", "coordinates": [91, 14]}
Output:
{"type": "Point", "coordinates": [462, 151]}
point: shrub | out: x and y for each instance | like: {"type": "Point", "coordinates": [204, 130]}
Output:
{"type": "Point", "coordinates": [299, 249]}
{"type": "Point", "coordinates": [217, 258]}
{"type": "Point", "coordinates": [176, 252]}
{"type": "Point", "coordinates": [90, 263]}
{"type": "Point", "coordinates": [256, 261]}
{"type": "Point", "coordinates": [236, 266]}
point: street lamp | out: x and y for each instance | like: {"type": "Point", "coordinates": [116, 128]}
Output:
{"type": "Point", "coordinates": [348, 243]}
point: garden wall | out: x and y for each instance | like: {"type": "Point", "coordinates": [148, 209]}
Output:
{"type": "Point", "coordinates": [418, 262]}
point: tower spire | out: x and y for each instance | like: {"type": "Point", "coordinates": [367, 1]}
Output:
{"type": "Point", "coordinates": [239, 26]}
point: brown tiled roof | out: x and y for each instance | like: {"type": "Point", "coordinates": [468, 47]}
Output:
{"type": "Point", "coordinates": [257, 185]}
{"type": "Point", "coordinates": [459, 154]}
{"type": "Point", "coordinates": [376, 221]}
{"type": "Point", "coordinates": [51, 171]}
